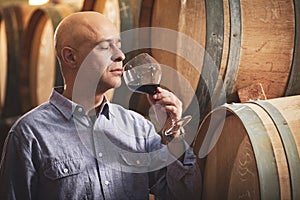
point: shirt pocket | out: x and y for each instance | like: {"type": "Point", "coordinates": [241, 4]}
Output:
{"type": "Point", "coordinates": [64, 168]}
{"type": "Point", "coordinates": [67, 179]}
{"type": "Point", "coordinates": [135, 162]}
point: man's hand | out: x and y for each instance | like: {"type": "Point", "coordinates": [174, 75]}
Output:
{"type": "Point", "coordinates": [167, 108]}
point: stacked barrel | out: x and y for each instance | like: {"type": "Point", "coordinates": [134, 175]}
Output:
{"type": "Point", "coordinates": [28, 64]}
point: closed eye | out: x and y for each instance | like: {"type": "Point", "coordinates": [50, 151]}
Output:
{"type": "Point", "coordinates": [107, 44]}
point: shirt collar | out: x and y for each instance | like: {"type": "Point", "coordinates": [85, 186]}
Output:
{"type": "Point", "coordinates": [68, 107]}
{"type": "Point", "coordinates": [102, 109]}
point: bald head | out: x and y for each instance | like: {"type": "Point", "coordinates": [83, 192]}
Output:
{"type": "Point", "coordinates": [76, 40]}
{"type": "Point", "coordinates": [82, 29]}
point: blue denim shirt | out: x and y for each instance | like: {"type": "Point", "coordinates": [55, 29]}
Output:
{"type": "Point", "coordinates": [56, 151]}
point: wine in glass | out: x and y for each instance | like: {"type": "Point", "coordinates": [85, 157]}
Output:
{"type": "Point", "coordinates": [143, 74]}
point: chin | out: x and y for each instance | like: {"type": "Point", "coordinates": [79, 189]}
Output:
{"type": "Point", "coordinates": [118, 83]}
{"type": "Point", "coordinates": [114, 85]}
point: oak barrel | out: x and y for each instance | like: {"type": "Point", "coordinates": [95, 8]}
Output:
{"type": "Point", "coordinates": [251, 150]}
{"type": "Point", "coordinates": [109, 8]}
{"type": "Point", "coordinates": [14, 21]}
{"type": "Point", "coordinates": [40, 67]}
{"type": "Point", "coordinates": [235, 44]}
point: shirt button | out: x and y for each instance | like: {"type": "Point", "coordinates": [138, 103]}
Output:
{"type": "Point", "coordinates": [106, 182]}
{"type": "Point", "coordinates": [100, 155]}
{"type": "Point", "coordinates": [79, 109]}
{"type": "Point", "coordinates": [65, 170]}
{"type": "Point", "coordinates": [138, 162]}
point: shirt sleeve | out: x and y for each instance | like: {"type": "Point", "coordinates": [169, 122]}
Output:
{"type": "Point", "coordinates": [184, 180]}
{"type": "Point", "coordinates": [178, 180]}
{"type": "Point", "coordinates": [17, 171]}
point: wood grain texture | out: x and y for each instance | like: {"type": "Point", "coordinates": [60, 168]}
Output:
{"type": "Point", "coordinates": [110, 8]}
{"type": "Point", "coordinates": [285, 114]}
{"type": "Point", "coordinates": [184, 43]}
{"type": "Point", "coordinates": [3, 61]}
{"type": "Point", "coordinates": [191, 23]}
{"type": "Point", "coordinates": [16, 19]}
{"type": "Point", "coordinates": [254, 154]}
{"type": "Point", "coordinates": [40, 68]}
{"type": "Point", "coordinates": [278, 151]}
{"type": "Point", "coordinates": [255, 45]}
{"type": "Point", "coordinates": [244, 171]}
{"type": "Point", "coordinates": [252, 92]}
{"type": "Point", "coordinates": [245, 43]}
{"type": "Point", "coordinates": [166, 58]}
{"type": "Point", "coordinates": [219, 162]}
{"type": "Point", "coordinates": [267, 45]}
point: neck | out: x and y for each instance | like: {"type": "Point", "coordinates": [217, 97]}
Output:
{"type": "Point", "coordinates": [86, 98]}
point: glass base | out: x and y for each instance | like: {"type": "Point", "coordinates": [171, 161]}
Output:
{"type": "Point", "coordinates": [177, 125]}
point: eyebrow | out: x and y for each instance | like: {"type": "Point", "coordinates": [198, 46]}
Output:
{"type": "Point", "coordinates": [109, 40]}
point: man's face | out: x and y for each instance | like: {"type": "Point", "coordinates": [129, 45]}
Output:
{"type": "Point", "coordinates": [102, 67]}
{"type": "Point", "coordinates": [108, 58]}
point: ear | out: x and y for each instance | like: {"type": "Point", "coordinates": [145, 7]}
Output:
{"type": "Point", "coordinates": [68, 56]}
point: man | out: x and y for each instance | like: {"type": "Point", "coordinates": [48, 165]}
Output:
{"type": "Point", "coordinates": [80, 146]}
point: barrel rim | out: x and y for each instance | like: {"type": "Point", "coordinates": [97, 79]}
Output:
{"type": "Point", "coordinates": [288, 142]}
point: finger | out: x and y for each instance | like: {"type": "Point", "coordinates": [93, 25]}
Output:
{"type": "Point", "coordinates": [159, 89]}
{"type": "Point", "coordinates": [170, 100]}
{"type": "Point", "coordinates": [151, 99]}
{"type": "Point", "coordinates": [175, 111]}
{"type": "Point", "coordinates": [160, 93]}
{"type": "Point", "coordinates": [163, 94]}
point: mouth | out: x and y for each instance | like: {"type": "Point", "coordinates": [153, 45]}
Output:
{"type": "Point", "coordinates": [117, 71]}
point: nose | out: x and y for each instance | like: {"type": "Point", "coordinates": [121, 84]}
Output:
{"type": "Point", "coordinates": [118, 55]}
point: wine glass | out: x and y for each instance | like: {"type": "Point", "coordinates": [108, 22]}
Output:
{"type": "Point", "coordinates": [143, 74]}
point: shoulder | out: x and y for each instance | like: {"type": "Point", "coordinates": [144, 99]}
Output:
{"type": "Point", "coordinates": [34, 116]}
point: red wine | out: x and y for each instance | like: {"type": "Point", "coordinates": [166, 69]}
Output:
{"type": "Point", "coordinates": [145, 89]}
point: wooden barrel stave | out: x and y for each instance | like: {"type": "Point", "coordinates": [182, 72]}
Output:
{"type": "Point", "coordinates": [109, 8]}
{"type": "Point", "coordinates": [264, 27]}
{"type": "Point", "coordinates": [16, 19]}
{"type": "Point", "coordinates": [242, 38]}
{"type": "Point", "coordinates": [3, 61]}
{"type": "Point", "coordinates": [166, 58]}
{"type": "Point", "coordinates": [291, 141]}
{"type": "Point", "coordinates": [275, 160]}
{"type": "Point", "coordinates": [39, 61]}
{"type": "Point", "coordinates": [244, 169]}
